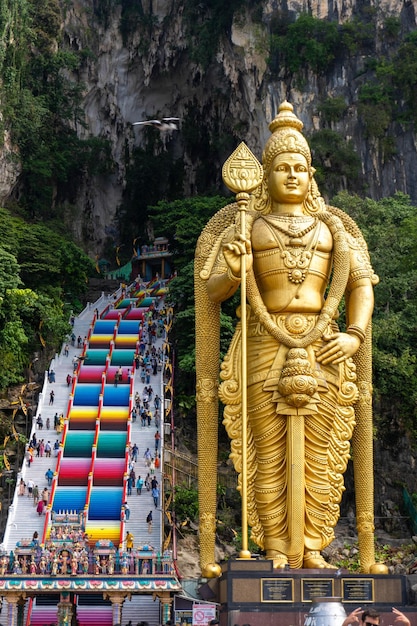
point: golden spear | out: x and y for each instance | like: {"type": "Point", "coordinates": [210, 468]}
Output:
{"type": "Point", "coordinates": [242, 173]}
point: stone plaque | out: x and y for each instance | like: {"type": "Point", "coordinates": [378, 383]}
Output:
{"type": "Point", "coordinates": [357, 590]}
{"type": "Point", "coordinates": [316, 588]}
{"type": "Point", "coordinates": [277, 590]}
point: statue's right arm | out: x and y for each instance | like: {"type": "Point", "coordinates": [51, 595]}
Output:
{"type": "Point", "coordinates": [222, 284]}
{"type": "Point", "coordinates": [225, 277]}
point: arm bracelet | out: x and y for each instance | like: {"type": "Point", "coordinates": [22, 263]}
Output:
{"type": "Point", "coordinates": [232, 277]}
{"type": "Point", "coordinates": [357, 332]}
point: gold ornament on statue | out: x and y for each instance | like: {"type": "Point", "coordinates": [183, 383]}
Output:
{"type": "Point", "coordinates": [242, 171]}
{"type": "Point", "coordinates": [297, 383]}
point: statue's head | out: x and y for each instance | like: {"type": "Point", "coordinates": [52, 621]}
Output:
{"type": "Point", "coordinates": [286, 138]}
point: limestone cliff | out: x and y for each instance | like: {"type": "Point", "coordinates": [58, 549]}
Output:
{"type": "Point", "coordinates": [139, 62]}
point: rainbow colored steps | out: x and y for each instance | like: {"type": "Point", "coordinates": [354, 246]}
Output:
{"type": "Point", "coordinates": [92, 465]}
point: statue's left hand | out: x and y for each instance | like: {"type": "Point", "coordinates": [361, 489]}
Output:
{"type": "Point", "coordinates": [340, 346]}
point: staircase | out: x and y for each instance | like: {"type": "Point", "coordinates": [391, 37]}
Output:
{"type": "Point", "coordinates": [46, 610]}
{"type": "Point", "coordinates": [91, 466]}
{"type": "Point", "coordinates": [93, 609]}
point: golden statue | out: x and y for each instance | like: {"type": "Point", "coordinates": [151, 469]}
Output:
{"type": "Point", "coordinates": [295, 388]}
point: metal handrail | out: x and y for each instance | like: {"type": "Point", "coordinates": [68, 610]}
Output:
{"type": "Point", "coordinates": [186, 468]}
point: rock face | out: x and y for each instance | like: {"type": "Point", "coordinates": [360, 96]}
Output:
{"type": "Point", "coordinates": [9, 167]}
{"type": "Point", "coordinates": [140, 66]}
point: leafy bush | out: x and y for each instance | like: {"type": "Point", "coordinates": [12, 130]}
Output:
{"type": "Point", "coordinates": [185, 503]}
{"type": "Point", "coordinates": [308, 43]}
{"type": "Point", "coordinates": [358, 36]}
{"type": "Point", "coordinates": [39, 271]}
{"type": "Point", "coordinates": [332, 109]}
{"type": "Point", "coordinates": [336, 162]}
{"type": "Point", "coordinates": [207, 21]}
{"type": "Point", "coordinates": [392, 26]}
{"type": "Point", "coordinates": [390, 229]}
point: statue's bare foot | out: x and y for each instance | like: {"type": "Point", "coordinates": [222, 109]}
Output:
{"type": "Point", "coordinates": [314, 560]}
{"type": "Point", "coordinates": [279, 559]}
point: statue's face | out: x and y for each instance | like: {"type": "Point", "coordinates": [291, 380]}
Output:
{"type": "Point", "coordinates": [289, 178]}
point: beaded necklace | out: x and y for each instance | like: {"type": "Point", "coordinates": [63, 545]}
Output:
{"type": "Point", "coordinates": [296, 255]}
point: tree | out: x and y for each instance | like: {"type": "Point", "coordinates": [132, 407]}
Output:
{"type": "Point", "coordinates": [309, 42]}
{"type": "Point", "coordinates": [13, 342]}
{"type": "Point", "coordinates": [38, 268]}
{"type": "Point", "coordinates": [389, 227]}
{"type": "Point", "coordinates": [336, 161]}
{"type": "Point", "coordinates": [182, 222]}
{"type": "Point", "coordinates": [9, 272]}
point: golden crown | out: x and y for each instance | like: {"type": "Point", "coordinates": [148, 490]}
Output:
{"type": "Point", "coordinates": [286, 136]}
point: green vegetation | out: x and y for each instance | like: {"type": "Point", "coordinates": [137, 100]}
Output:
{"type": "Point", "coordinates": [314, 44]}
{"type": "Point", "coordinates": [390, 229]}
{"type": "Point", "coordinates": [207, 21]}
{"type": "Point", "coordinates": [384, 553]}
{"type": "Point", "coordinates": [332, 109]}
{"type": "Point", "coordinates": [182, 222]}
{"type": "Point", "coordinates": [389, 89]}
{"type": "Point", "coordinates": [39, 272]}
{"type": "Point", "coordinates": [185, 503]}
{"type": "Point", "coordinates": [336, 162]}
{"type": "Point", "coordinates": [308, 43]}
{"type": "Point", "coordinates": [358, 35]}
{"type": "Point", "coordinates": [392, 27]}
{"type": "Point", "coordinates": [228, 523]}
{"type": "Point", "coordinates": [40, 98]}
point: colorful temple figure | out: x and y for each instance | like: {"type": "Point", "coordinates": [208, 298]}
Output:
{"type": "Point", "coordinates": [124, 564]}
{"type": "Point", "coordinates": [103, 565]}
{"type": "Point", "coordinates": [74, 564]}
{"type": "Point", "coordinates": [64, 562]}
{"type": "Point", "coordinates": [33, 566]}
{"type": "Point", "coordinates": [3, 565]}
{"type": "Point", "coordinates": [110, 566]}
{"type": "Point", "coordinates": [303, 374]}
{"type": "Point", "coordinates": [55, 565]}
{"type": "Point", "coordinates": [42, 565]}
{"type": "Point", "coordinates": [85, 563]}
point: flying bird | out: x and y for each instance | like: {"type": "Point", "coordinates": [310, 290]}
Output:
{"type": "Point", "coordinates": [163, 125]}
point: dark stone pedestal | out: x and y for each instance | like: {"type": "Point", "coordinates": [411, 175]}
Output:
{"type": "Point", "coordinates": [251, 592]}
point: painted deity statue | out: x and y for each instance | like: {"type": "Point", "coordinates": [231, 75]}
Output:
{"type": "Point", "coordinates": [111, 565]}
{"type": "Point", "coordinates": [308, 382]}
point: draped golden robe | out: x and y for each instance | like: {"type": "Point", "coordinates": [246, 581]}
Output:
{"type": "Point", "coordinates": [296, 456]}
